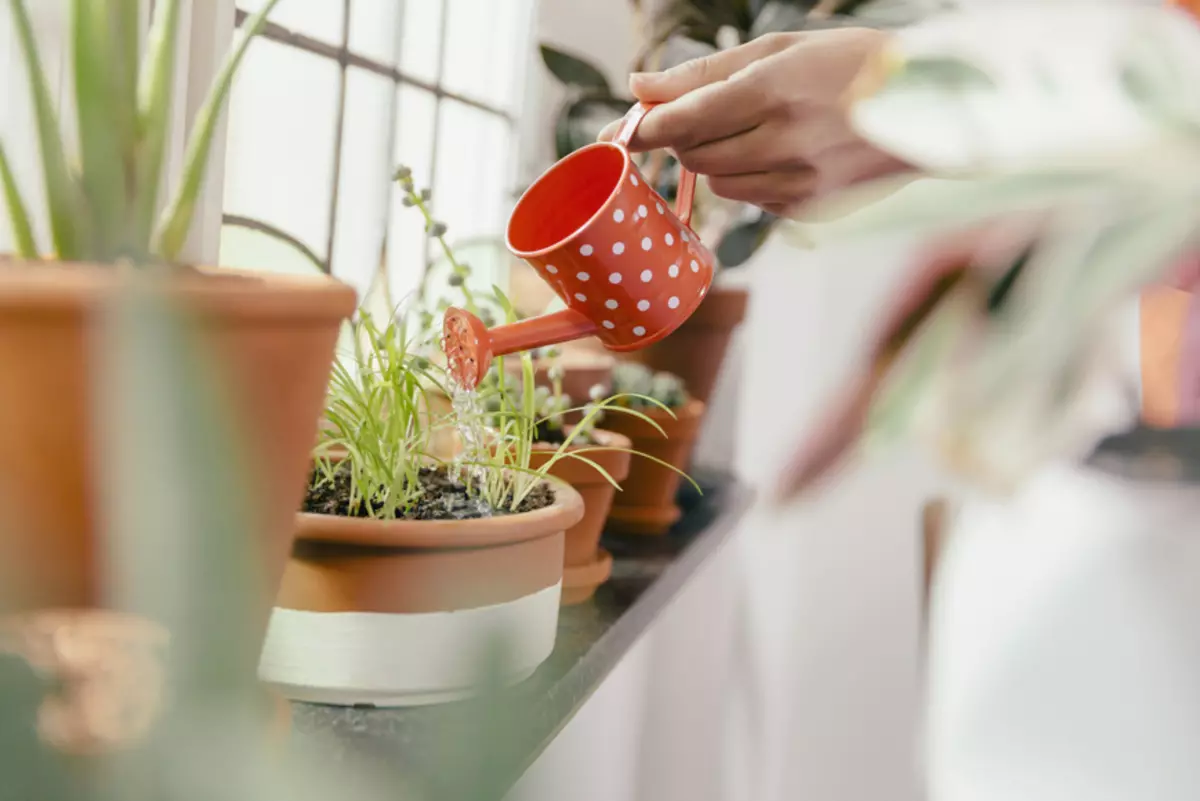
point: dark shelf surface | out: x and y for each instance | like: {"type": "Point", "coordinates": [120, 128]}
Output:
{"type": "Point", "coordinates": [439, 750]}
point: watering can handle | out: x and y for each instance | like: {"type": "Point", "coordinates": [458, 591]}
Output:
{"type": "Point", "coordinates": [686, 192]}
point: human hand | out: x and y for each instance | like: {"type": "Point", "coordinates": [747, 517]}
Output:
{"type": "Point", "coordinates": [765, 121]}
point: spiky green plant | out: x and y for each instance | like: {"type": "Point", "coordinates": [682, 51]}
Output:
{"type": "Point", "coordinates": [637, 385]}
{"type": "Point", "coordinates": [377, 423]}
{"type": "Point", "coordinates": [503, 475]}
{"type": "Point", "coordinates": [102, 205]}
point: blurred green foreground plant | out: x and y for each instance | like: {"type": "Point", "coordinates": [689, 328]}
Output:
{"type": "Point", "coordinates": [105, 209]}
{"type": "Point", "coordinates": [1076, 182]}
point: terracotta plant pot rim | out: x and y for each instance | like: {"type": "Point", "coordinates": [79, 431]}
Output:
{"type": "Point", "coordinates": [566, 511]}
{"type": "Point", "coordinates": [41, 287]}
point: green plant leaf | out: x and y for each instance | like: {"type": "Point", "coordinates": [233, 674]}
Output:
{"type": "Point", "coordinates": [18, 213]}
{"type": "Point", "coordinates": [940, 73]}
{"type": "Point", "coordinates": [154, 111]}
{"type": "Point", "coordinates": [573, 70]}
{"type": "Point", "coordinates": [581, 120]}
{"type": "Point", "coordinates": [98, 110]}
{"type": "Point", "coordinates": [176, 221]}
{"type": "Point", "coordinates": [62, 193]}
{"type": "Point", "coordinates": [743, 240]}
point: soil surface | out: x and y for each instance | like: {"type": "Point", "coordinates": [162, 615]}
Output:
{"type": "Point", "coordinates": [442, 499]}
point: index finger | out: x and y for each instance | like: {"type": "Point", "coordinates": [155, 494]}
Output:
{"type": "Point", "coordinates": [716, 111]}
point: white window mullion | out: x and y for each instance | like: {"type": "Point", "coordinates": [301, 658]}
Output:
{"type": "Point", "coordinates": [205, 40]}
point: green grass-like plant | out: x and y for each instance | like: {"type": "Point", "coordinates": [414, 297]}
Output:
{"type": "Point", "coordinates": [504, 475]}
{"type": "Point", "coordinates": [377, 420]}
{"type": "Point", "coordinates": [103, 204]}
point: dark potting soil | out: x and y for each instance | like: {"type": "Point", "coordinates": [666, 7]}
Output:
{"type": "Point", "coordinates": [548, 435]}
{"type": "Point", "coordinates": [442, 498]}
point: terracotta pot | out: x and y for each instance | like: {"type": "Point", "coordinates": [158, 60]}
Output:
{"type": "Point", "coordinates": [646, 504]}
{"type": "Point", "coordinates": [275, 333]}
{"type": "Point", "coordinates": [585, 564]}
{"type": "Point", "coordinates": [1169, 387]}
{"type": "Point", "coordinates": [403, 612]}
{"type": "Point", "coordinates": [696, 350]}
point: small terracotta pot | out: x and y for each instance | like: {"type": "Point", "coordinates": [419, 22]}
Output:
{"type": "Point", "coordinates": [276, 334]}
{"type": "Point", "coordinates": [696, 350]}
{"type": "Point", "coordinates": [1166, 392]}
{"type": "Point", "coordinates": [403, 612]}
{"type": "Point", "coordinates": [585, 564]}
{"type": "Point", "coordinates": [646, 504]}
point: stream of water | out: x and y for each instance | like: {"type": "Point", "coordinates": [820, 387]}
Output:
{"type": "Point", "coordinates": [472, 431]}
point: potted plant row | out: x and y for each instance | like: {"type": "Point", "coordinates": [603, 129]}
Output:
{"type": "Point", "coordinates": [412, 560]}
{"type": "Point", "coordinates": [109, 235]}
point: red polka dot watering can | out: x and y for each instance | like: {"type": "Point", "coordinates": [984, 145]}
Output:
{"type": "Point", "coordinates": [629, 270]}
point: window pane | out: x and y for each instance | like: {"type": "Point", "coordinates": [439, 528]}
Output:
{"type": "Point", "coordinates": [375, 29]}
{"type": "Point", "coordinates": [474, 171]}
{"type": "Point", "coordinates": [365, 179]}
{"type": "Point", "coordinates": [282, 123]}
{"type": "Point", "coordinates": [416, 116]}
{"type": "Point", "coordinates": [421, 38]}
{"type": "Point", "coordinates": [318, 19]}
{"type": "Point", "coordinates": [250, 249]}
{"type": "Point", "coordinates": [487, 46]}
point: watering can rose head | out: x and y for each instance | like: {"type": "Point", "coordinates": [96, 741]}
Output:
{"type": "Point", "coordinates": [629, 269]}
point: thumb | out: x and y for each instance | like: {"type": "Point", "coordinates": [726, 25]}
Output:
{"type": "Point", "coordinates": [663, 87]}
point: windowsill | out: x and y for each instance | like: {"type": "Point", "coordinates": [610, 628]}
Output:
{"type": "Point", "coordinates": [430, 746]}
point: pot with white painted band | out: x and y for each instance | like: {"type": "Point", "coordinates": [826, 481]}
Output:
{"type": "Point", "coordinates": [396, 613]}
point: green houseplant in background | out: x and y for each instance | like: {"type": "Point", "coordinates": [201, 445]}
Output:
{"type": "Point", "coordinates": [273, 336]}
{"type": "Point", "coordinates": [674, 31]}
{"type": "Point", "coordinates": [648, 504]}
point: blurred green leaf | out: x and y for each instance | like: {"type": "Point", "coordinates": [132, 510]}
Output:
{"type": "Point", "coordinates": [18, 213]}
{"type": "Point", "coordinates": [154, 111]}
{"type": "Point", "coordinates": [743, 240]}
{"type": "Point", "coordinates": [574, 71]}
{"type": "Point", "coordinates": [62, 193]}
{"type": "Point", "coordinates": [176, 221]}
{"type": "Point", "coordinates": [580, 121]}
{"type": "Point", "coordinates": [97, 105]}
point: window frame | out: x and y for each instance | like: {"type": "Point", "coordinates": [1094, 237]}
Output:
{"type": "Point", "coordinates": [214, 24]}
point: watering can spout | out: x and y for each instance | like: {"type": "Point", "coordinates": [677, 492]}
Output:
{"type": "Point", "coordinates": [470, 346]}
{"type": "Point", "coordinates": [629, 270]}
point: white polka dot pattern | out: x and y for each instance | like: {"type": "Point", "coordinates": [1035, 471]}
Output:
{"type": "Point", "coordinates": [633, 269]}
